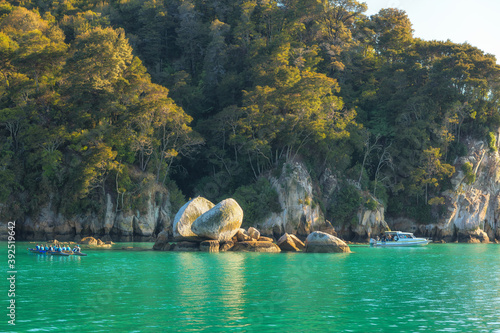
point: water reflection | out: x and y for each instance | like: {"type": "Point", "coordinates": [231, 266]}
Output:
{"type": "Point", "coordinates": [438, 288]}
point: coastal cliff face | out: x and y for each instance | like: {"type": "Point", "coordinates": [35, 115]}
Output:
{"type": "Point", "coordinates": [370, 224]}
{"type": "Point", "coordinates": [300, 214]}
{"type": "Point", "coordinates": [471, 211]}
{"type": "Point", "coordinates": [472, 207]}
{"type": "Point", "coordinates": [113, 225]}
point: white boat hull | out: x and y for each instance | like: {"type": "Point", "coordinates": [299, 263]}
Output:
{"type": "Point", "coordinates": [401, 242]}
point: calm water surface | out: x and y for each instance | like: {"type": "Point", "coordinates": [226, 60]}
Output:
{"type": "Point", "coordinates": [438, 288]}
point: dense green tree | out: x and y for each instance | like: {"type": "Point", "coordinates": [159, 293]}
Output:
{"type": "Point", "coordinates": [98, 98]}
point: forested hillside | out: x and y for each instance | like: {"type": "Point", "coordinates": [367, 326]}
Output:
{"type": "Point", "coordinates": [207, 96]}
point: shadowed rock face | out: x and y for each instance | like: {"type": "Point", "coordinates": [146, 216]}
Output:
{"type": "Point", "coordinates": [187, 247]}
{"type": "Point", "coordinates": [321, 242]}
{"type": "Point", "coordinates": [226, 246]}
{"type": "Point", "coordinates": [187, 215]}
{"type": "Point", "coordinates": [290, 243]}
{"type": "Point", "coordinates": [161, 243]}
{"type": "Point", "coordinates": [209, 246]}
{"type": "Point", "coordinates": [221, 222]}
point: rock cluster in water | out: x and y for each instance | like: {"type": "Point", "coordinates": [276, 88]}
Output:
{"type": "Point", "coordinates": [95, 242]}
{"type": "Point", "coordinates": [202, 226]}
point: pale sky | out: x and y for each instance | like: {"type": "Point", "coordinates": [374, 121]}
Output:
{"type": "Point", "coordinates": [474, 21]}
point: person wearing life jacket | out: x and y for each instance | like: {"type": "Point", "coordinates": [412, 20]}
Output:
{"type": "Point", "coordinates": [37, 247]}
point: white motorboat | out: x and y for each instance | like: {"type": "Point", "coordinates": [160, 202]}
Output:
{"type": "Point", "coordinates": [399, 238]}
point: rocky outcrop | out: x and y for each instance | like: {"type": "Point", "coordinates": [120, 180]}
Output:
{"type": "Point", "coordinates": [162, 243]}
{"type": "Point", "coordinates": [300, 214]}
{"type": "Point", "coordinates": [472, 212]}
{"type": "Point", "coordinates": [88, 241]}
{"type": "Point", "coordinates": [186, 247]}
{"type": "Point", "coordinates": [187, 215]}
{"type": "Point", "coordinates": [328, 228]}
{"type": "Point", "coordinates": [321, 242]}
{"type": "Point", "coordinates": [242, 235]}
{"type": "Point", "coordinates": [221, 222]}
{"type": "Point", "coordinates": [255, 246]}
{"type": "Point", "coordinates": [290, 243]}
{"type": "Point", "coordinates": [226, 246]}
{"type": "Point", "coordinates": [113, 224]}
{"type": "Point", "coordinates": [254, 233]}
{"type": "Point", "coordinates": [209, 246]}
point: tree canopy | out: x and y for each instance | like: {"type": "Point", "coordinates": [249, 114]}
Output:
{"type": "Point", "coordinates": [112, 97]}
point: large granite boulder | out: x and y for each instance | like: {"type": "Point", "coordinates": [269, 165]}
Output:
{"type": "Point", "coordinates": [322, 242]}
{"type": "Point", "coordinates": [255, 246]}
{"type": "Point", "coordinates": [187, 215]}
{"type": "Point", "coordinates": [290, 243]}
{"type": "Point", "coordinates": [221, 222]}
{"type": "Point", "coordinates": [209, 246]}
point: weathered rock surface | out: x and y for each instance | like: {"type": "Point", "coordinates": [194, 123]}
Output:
{"type": "Point", "coordinates": [226, 246]}
{"type": "Point", "coordinates": [183, 220]}
{"type": "Point", "coordinates": [254, 233]}
{"type": "Point", "coordinates": [474, 236]}
{"type": "Point", "coordinates": [242, 235]}
{"type": "Point", "coordinates": [209, 246]}
{"type": "Point", "coordinates": [295, 194]}
{"type": "Point", "coordinates": [370, 223]}
{"type": "Point", "coordinates": [255, 246]}
{"type": "Point", "coordinates": [321, 242]}
{"type": "Point", "coordinates": [290, 243]}
{"type": "Point", "coordinates": [162, 243]}
{"type": "Point", "coordinates": [328, 228]}
{"type": "Point", "coordinates": [186, 246]}
{"type": "Point", "coordinates": [265, 239]}
{"type": "Point", "coordinates": [473, 210]}
{"type": "Point", "coordinates": [221, 222]}
{"type": "Point", "coordinates": [114, 224]}
{"type": "Point", "coordinates": [89, 241]}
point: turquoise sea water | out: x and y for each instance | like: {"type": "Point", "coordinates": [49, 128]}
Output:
{"type": "Point", "coordinates": [437, 288]}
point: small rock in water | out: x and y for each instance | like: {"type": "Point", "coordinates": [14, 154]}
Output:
{"type": "Point", "coordinates": [321, 242]}
{"type": "Point", "coordinates": [290, 243]}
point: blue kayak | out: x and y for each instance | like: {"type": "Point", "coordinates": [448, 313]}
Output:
{"type": "Point", "coordinates": [54, 253]}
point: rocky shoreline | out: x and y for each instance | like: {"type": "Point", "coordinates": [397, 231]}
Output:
{"type": "Point", "coordinates": [200, 225]}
